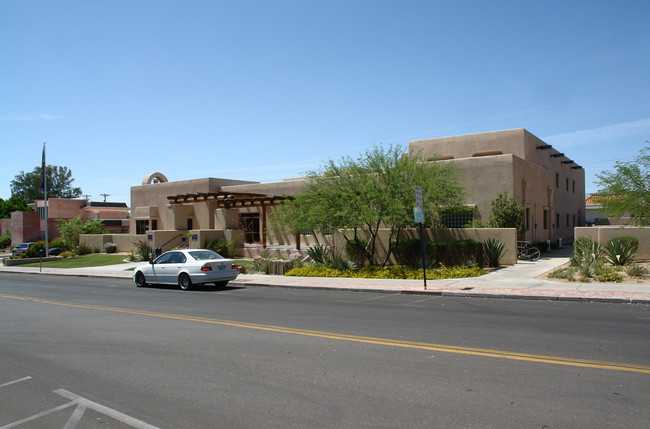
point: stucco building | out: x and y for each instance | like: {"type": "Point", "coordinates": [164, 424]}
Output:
{"type": "Point", "coordinates": [546, 182]}
{"type": "Point", "coordinates": [30, 226]}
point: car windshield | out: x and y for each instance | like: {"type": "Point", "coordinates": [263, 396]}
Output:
{"type": "Point", "coordinates": [202, 255]}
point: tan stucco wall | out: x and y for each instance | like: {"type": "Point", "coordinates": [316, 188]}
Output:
{"type": "Point", "coordinates": [602, 234]}
{"type": "Point", "coordinates": [508, 236]}
{"type": "Point", "coordinates": [124, 242]}
{"type": "Point", "coordinates": [520, 166]}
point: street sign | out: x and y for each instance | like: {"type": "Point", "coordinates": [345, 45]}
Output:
{"type": "Point", "coordinates": [418, 214]}
{"type": "Point", "coordinates": [418, 196]}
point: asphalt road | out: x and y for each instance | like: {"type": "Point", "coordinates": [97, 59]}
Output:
{"type": "Point", "coordinates": [90, 352]}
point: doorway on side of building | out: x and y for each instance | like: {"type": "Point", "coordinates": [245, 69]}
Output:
{"type": "Point", "coordinates": [250, 223]}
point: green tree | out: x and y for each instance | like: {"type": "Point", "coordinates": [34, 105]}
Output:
{"type": "Point", "coordinates": [626, 190]}
{"type": "Point", "coordinates": [376, 190]}
{"type": "Point", "coordinates": [59, 184]}
{"type": "Point", "coordinates": [13, 204]}
{"type": "Point", "coordinates": [507, 213]}
{"type": "Point", "coordinates": [70, 229]}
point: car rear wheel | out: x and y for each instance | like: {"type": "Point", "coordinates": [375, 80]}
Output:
{"type": "Point", "coordinates": [184, 281]}
{"type": "Point", "coordinates": [140, 281]}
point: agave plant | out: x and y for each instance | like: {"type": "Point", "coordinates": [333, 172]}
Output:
{"type": "Point", "coordinates": [493, 250]}
{"type": "Point", "coordinates": [621, 250]}
{"type": "Point", "coordinates": [318, 253]}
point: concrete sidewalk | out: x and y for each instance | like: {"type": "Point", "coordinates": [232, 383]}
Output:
{"type": "Point", "coordinates": [516, 281]}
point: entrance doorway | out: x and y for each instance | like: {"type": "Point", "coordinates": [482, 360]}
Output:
{"type": "Point", "coordinates": [250, 223]}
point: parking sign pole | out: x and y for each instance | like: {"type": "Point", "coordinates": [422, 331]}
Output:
{"type": "Point", "coordinates": [418, 214]}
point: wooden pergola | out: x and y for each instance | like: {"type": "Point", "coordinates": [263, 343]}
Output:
{"type": "Point", "coordinates": [231, 200]}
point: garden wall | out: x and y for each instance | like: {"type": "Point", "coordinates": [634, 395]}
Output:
{"type": "Point", "coordinates": [602, 234]}
{"type": "Point", "coordinates": [124, 242]}
{"type": "Point", "coordinates": [508, 236]}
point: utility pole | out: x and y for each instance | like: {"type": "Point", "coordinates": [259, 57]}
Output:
{"type": "Point", "coordinates": [105, 195]}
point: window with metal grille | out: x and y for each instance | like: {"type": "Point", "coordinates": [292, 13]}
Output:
{"type": "Point", "coordinates": [457, 219]}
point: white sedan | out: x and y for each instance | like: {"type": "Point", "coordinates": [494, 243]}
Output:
{"type": "Point", "coordinates": [187, 267]}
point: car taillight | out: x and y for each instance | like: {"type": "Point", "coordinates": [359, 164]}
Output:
{"type": "Point", "coordinates": [233, 266]}
{"type": "Point", "coordinates": [206, 268]}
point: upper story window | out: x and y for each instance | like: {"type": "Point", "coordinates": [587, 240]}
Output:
{"type": "Point", "coordinates": [567, 183]}
{"type": "Point", "coordinates": [557, 180]}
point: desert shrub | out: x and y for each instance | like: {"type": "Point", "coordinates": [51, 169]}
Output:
{"type": "Point", "coordinates": [5, 240]}
{"type": "Point", "coordinates": [567, 273]}
{"type": "Point", "coordinates": [110, 247]}
{"type": "Point", "coordinates": [463, 253]}
{"type": "Point", "coordinates": [262, 261]}
{"type": "Point", "coordinates": [82, 249]}
{"type": "Point", "coordinates": [621, 250]}
{"type": "Point", "coordinates": [60, 243]}
{"type": "Point", "coordinates": [67, 254]}
{"type": "Point", "coordinates": [318, 253]}
{"type": "Point", "coordinates": [407, 252]}
{"type": "Point", "coordinates": [33, 251]}
{"type": "Point", "coordinates": [636, 270]}
{"type": "Point", "coordinates": [143, 250]}
{"type": "Point", "coordinates": [436, 253]}
{"type": "Point", "coordinates": [493, 250]}
{"type": "Point", "coordinates": [227, 249]}
{"type": "Point", "coordinates": [355, 252]}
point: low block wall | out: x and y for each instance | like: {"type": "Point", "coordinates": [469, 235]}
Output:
{"type": "Point", "coordinates": [22, 261]}
{"type": "Point", "coordinates": [602, 234]}
{"type": "Point", "coordinates": [508, 236]}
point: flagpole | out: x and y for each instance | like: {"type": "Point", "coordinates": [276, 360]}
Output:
{"type": "Point", "coordinates": [44, 172]}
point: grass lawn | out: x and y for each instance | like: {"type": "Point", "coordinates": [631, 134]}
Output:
{"type": "Point", "coordinates": [92, 260]}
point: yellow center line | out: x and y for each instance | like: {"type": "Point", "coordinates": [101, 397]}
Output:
{"type": "Point", "coordinates": [555, 360]}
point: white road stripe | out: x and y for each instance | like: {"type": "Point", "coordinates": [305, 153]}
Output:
{"type": "Point", "coordinates": [15, 381]}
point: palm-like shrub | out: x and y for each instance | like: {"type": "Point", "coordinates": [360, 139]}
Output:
{"type": "Point", "coordinates": [621, 250]}
{"type": "Point", "coordinates": [493, 250]}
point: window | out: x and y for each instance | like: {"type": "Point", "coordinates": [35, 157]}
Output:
{"type": "Point", "coordinates": [154, 224]}
{"type": "Point", "coordinates": [250, 223]}
{"type": "Point", "coordinates": [557, 180]}
{"type": "Point", "coordinates": [458, 219]}
{"type": "Point", "coordinates": [567, 221]}
{"type": "Point", "coordinates": [567, 183]}
{"type": "Point", "coordinates": [189, 223]}
{"type": "Point", "coordinates": [574, 221]}
{"type": "Point", "coordinates": [527, 219]}
{"type": "Point", "coordinates": [141, 226]}
{"type": "Point", "coordinates": [574, 186]}
{"type": "Point", "coordinates": [545, 219]}
{"type": "Point", "coordinates": [557, 220]}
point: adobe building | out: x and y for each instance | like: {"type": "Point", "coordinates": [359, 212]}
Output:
{"type": "Point", "coordinates": [548, 183]}
{"type": "Point", "coordinates": [545, 181]}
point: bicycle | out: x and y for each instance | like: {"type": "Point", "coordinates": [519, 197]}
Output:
{"type": "Point", "coordinates": [526, 250]}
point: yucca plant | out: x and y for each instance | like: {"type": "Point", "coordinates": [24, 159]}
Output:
{"type": "Point", "coordinates": [621, 250]}
{"type": "Point", "coordinates": [586, 256]}
{"type": "Point", "coordinates": [493, 250]}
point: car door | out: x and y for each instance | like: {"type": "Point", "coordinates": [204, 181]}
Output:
{"type": "Point", "coordinates": [159, 268]}
{"type": "Point", "coordinates": [174, 267]}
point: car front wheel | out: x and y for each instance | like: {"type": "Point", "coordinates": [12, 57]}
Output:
{"type": "Point", "coordinates": [184, 281]}
{"type": "Point", "coordinates": [140, 280]}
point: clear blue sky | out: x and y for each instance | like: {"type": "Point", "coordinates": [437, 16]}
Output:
{"type": "Point", "coordinates": [266, 90]}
